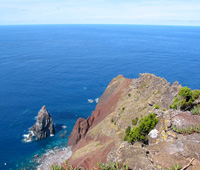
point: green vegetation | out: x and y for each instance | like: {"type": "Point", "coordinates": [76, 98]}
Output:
{"type": "Point", "coordinates": [112, 166]}
{"type": "Point", "coordinates": [112, 120]}
{"type": "Point", "coordinates": [175, 104]}
{"type": "Point", "coordinates": [64, 166]}
{"type": "Point", "coordinates": [189, 130]}
{"type": "Point", "coordinates": [128, 130]}
{"type": "Point", "coordinates": [185, 98]}
{"type": "Point", "coordinates": [140, 132]}
{"type": "Point", "coordinates": [101, 166]}
{"type": "Point", "coordinates": [97, 144]}
{"type": "Point", "coordinates": [114, 123]}
{"type": "Point", "coordinates": [156, 107]}
{"type": "Point", "coordinates": [175, 167]}
{"type": "Point", "coordinates": [164, 109]}
{"type": "Point", "coordinates": [196, 110]}
{"type": "Point", "coordinates": [122, 96]}
{"type": "Point", "coordinates": [129, 95]}
{"type": "Point", "coordinates": [143, 85]}
{"type": "Point", "coordinates": [122, 110]}
{"type": "Point", "coordinates": [134, 121]}
{"type": "Point", "coordinates": [144, 108]}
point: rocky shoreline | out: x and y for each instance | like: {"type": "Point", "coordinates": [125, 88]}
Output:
{"type": "Point", "coordinates": [52, 157]}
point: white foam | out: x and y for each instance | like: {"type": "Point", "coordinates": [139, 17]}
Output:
{"type": "Point", "coordinates": [25, 135]}
{"type": "Point", "coordinates": [97, 100]}
{"type": "Point", "coordinates": [51, 135]}
{"type": "Point", "coordinates": [31, 133]}
{"type": "Point", "coordinates": [26, 138]}
{"type": "Point", "coordinates": [64, 127]}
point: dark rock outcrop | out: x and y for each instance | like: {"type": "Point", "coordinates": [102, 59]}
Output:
{"type": "Point", "coordinates": [80, 129]}
{"type": "Point", "coordinates": [44, 125]}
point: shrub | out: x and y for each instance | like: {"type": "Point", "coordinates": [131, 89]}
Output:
{"type": "Point", "coordinates": [114, 123]}
{"type": "Point", "coordinates": [128, 129]}
{"type": "Point", "coordinates": [196, 110]}
{"type": "Point", "coordinates": [101, 166]}
{"type": "Point", "coordinates": [56, 167]}
{"type": "Point", "coordinates": [64, 166]}
{"type": "Point", "coordinates": [156, 107]}
{"type": "Point", "coordinates": [189, 130]}
{"type": "Point", "coordinates": [134, 121]}
{"type": "Point", "coordinates": [195, 94]}
{"type": "Point", "coordinates": [113, 166]}
{"type": "Point", "coordinates": [185, 92]}
{"type": "Point", "coordinates": [112, 120]}
{"type": "Point", "coordinates": [188, 96]}
{"type": "Point", "coordinates": [122, 110]}
{"type": "Point", "coordinates": [129, 95]}
{"type": "Point", "coordinates": [174, 106]}
{"type": "Point", "coordinates": [185, 99]}
{"type": "Point", "coordinates": [182, 103]}
{"type": "Point", "coordinates": [140, 132]}
{"type": "Point", "coordinates": [164, 109]}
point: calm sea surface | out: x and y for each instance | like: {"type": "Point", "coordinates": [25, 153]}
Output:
{"type": "Point", "coordinates": [62, 66]}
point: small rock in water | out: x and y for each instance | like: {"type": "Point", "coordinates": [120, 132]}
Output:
{"type": "Point", "coordinates": [35, 156]}
{"type": "Point", "coordinates": [61, 135]}
{"type": "Point", "coordinates": [90, 101]}
{"type": "Point", "coordinates": [5, 164]}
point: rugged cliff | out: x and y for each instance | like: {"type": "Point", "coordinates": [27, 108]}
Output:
{"type": "Point", "coordinates": [100, 138]}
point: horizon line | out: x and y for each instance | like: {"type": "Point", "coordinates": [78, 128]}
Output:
{"type": "Point", "coordinates": [103, 24]}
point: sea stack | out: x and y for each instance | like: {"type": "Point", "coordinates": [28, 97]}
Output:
{"type": "Point", "coordinates": [44, 126]}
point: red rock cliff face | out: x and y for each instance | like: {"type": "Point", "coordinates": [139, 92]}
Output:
{"type": "Point", "coordinates": [106, 105]}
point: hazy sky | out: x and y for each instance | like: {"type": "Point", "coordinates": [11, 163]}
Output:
{"type": "Point", "coordinates": [159, 12]}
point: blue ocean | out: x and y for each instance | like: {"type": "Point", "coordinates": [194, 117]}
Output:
{"type": "Point", "coordinates": [62, 66]}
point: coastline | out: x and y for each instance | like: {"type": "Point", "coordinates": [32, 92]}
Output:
{"type": "Point", "coordinates": [53, 156]}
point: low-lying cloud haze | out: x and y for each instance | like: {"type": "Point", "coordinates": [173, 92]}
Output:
{"type": "Point", "coordinates": [153, 12]}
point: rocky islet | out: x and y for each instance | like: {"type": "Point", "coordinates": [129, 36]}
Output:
{"type": "Point", "coordinates": [43, 127]}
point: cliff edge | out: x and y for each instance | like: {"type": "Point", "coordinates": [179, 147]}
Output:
{"type": "Point", "coordinates": [100, 138]}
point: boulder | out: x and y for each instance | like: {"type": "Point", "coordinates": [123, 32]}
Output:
{"type": "Point", "coordinates": [44, 126]}
{"type": "Point", "coordinates": [184, 120]}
